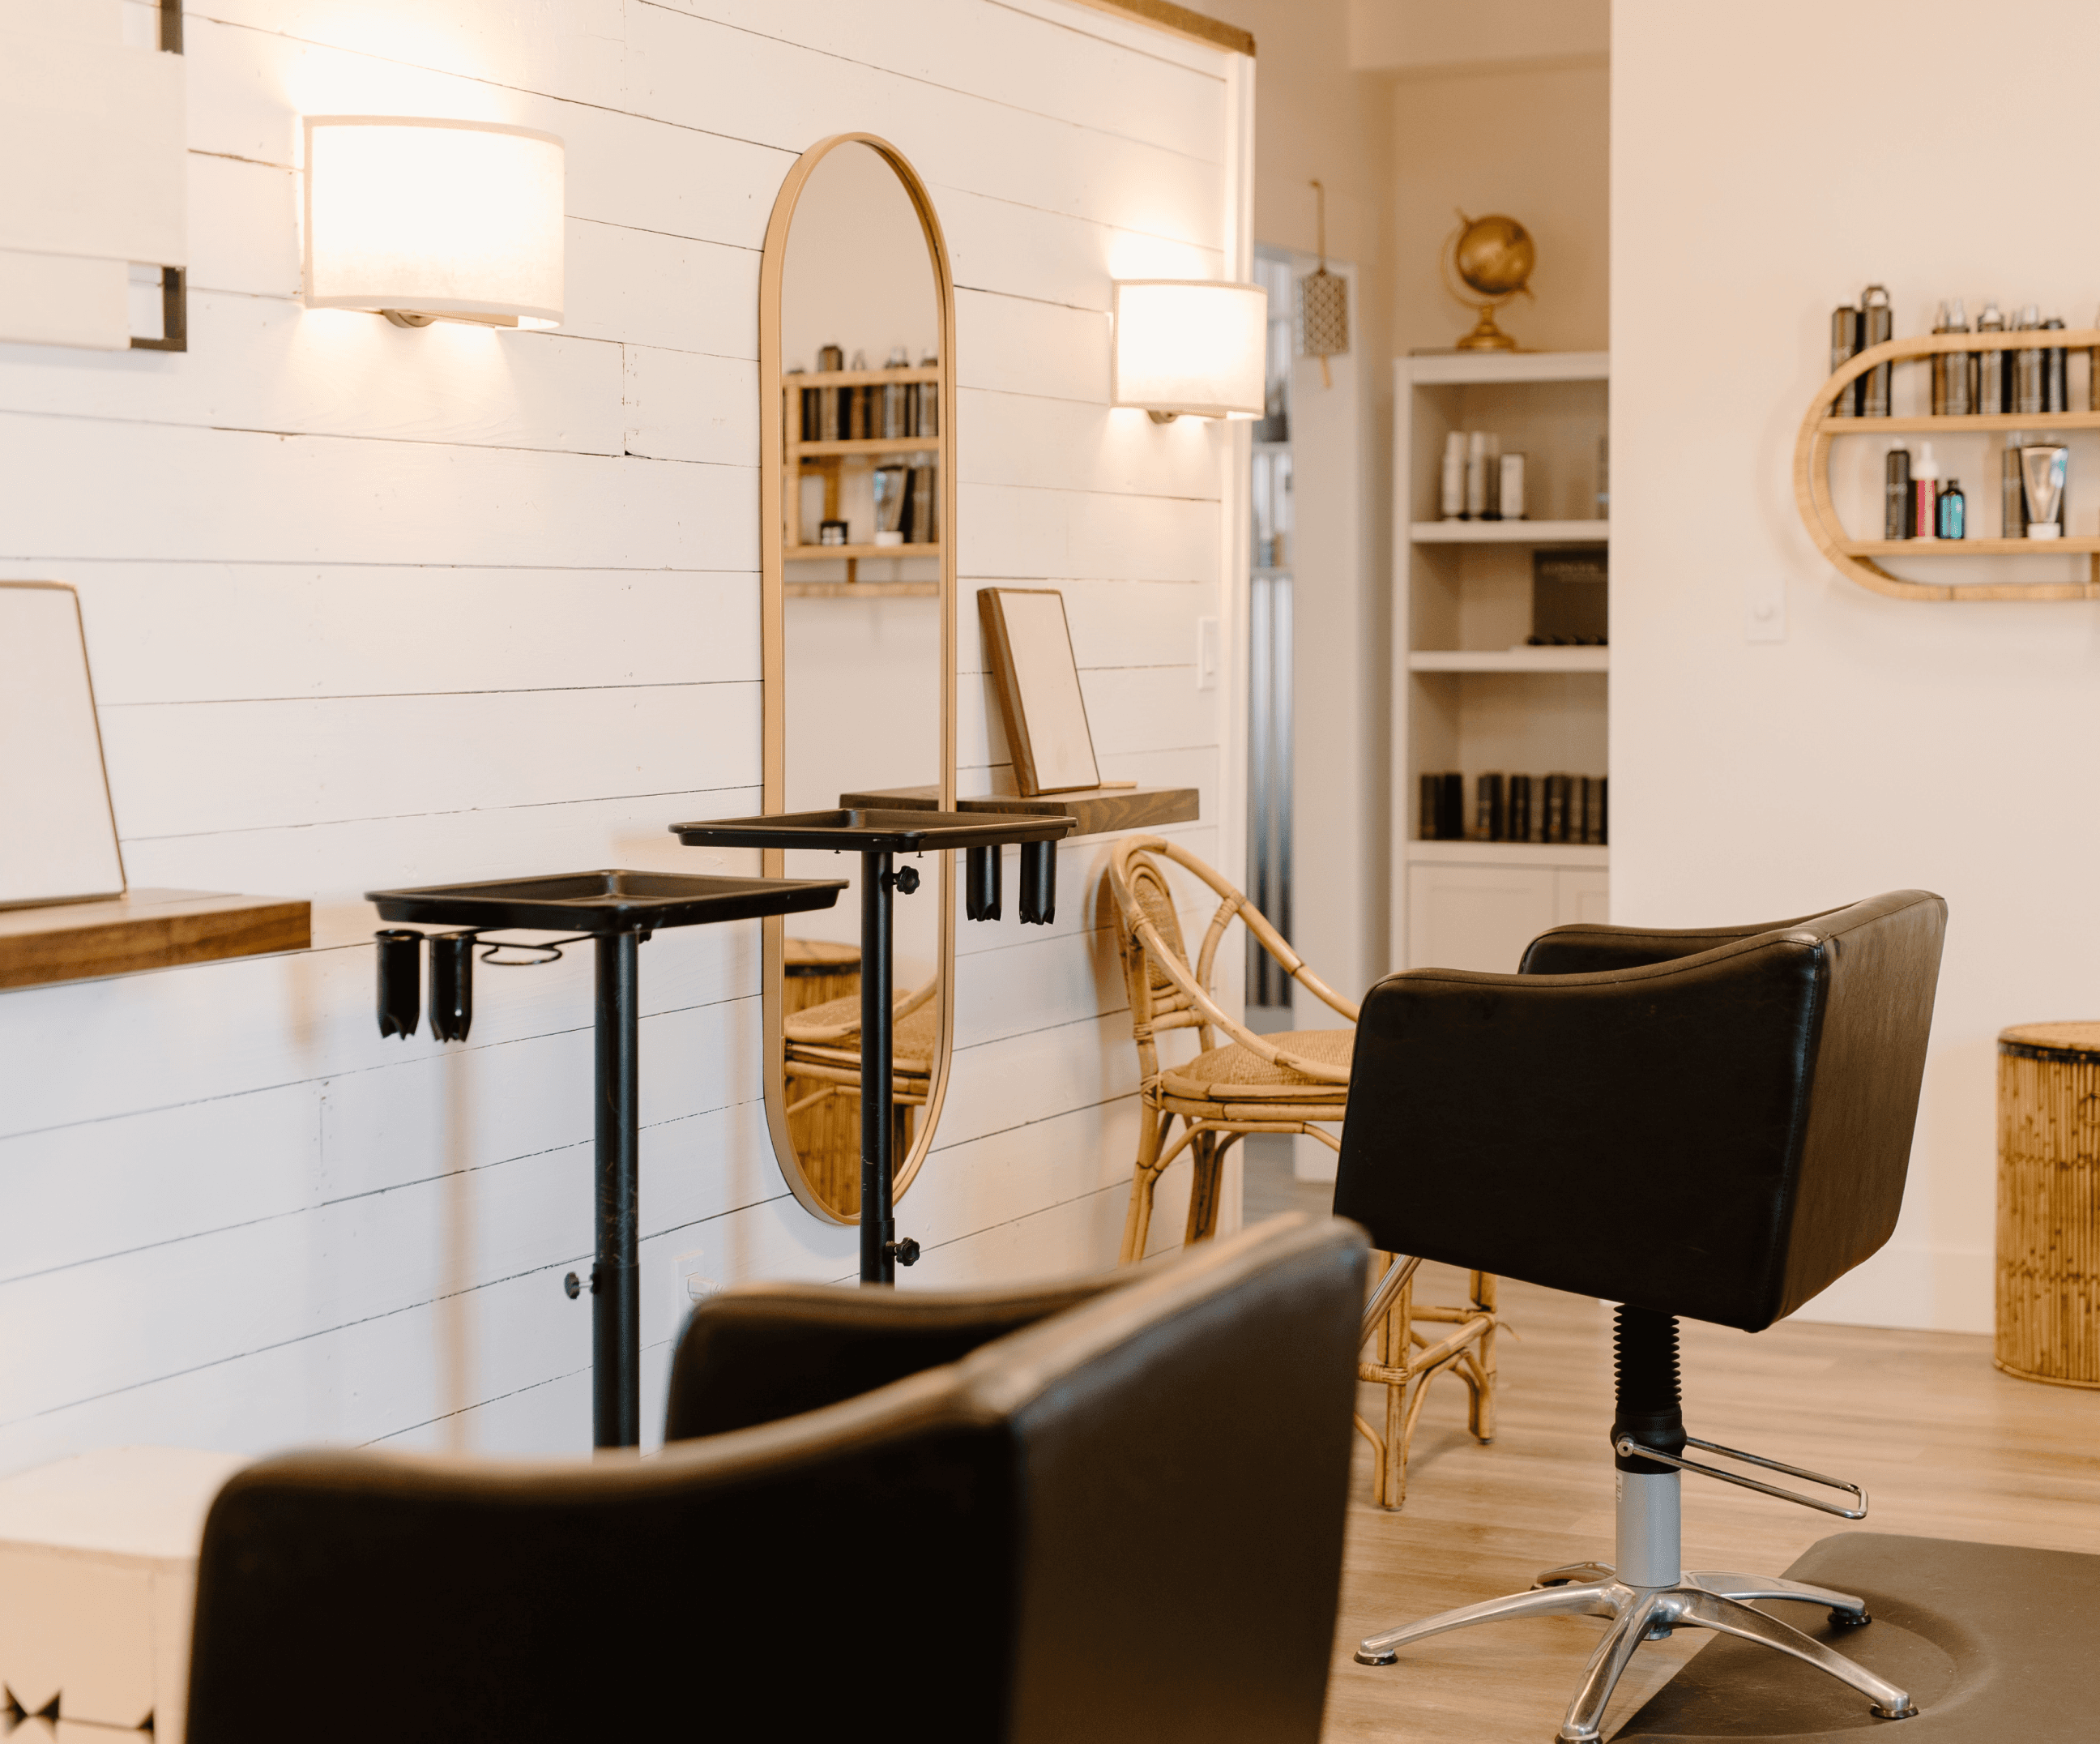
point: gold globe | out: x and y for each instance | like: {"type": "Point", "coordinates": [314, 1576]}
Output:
{"type": "Point", "coordinates": [1492, 258]}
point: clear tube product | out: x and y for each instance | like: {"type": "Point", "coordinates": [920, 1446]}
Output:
{"type": "Point", "coordinates": [1895, 513]}
{"type": "Point", "coordinates": [1991, 365]}
{"type": "Point", "coordinates": [1452, 497]}
{"type": "Point", "coordinates": [1477, 459]}
{"type": "Point", "coordinates": [2043, 465]}
{"type": "Point", "coordinates": [1878, 325]}
{"type": "Point", "coordinates": [1924, 494]}
{"type": "Point", "coordinates": [1953, 511]}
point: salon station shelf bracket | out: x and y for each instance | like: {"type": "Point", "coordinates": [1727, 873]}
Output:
{"type": "Point", "coordinates": [1854, 558]}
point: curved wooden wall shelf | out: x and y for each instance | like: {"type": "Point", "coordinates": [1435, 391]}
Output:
{"type": "Point", "coordinates": [1854, 558]}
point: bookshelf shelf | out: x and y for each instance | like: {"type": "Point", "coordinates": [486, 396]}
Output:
{"type": "Point", "coordinates": [1510, 660]}
{"type": "Point", "coordinates": [830, 459]}
{"type": "Point", "coordinates": [861, 590]}
{"type": "Point", "coordinates": [818, 554]}
{"type": "Point", "coordinates": [1573, 855]}
{"type": "Point", "coordinates": [1854, 558]}
{"type": "Point", "coordinates": [1511, 532]}
{"type": "Point", "coordinates": [1470, 694]}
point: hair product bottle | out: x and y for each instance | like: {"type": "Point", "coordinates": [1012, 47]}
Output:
{"type": "Point", "coordinates": [2012, 490]}
{"type": "Point", "coordinates": [1991, 365]}
{"type": "Point", "coordinates": [1844, 347]}
{"type": "Point", "coordinates": [2056, 373]}
{"type": "Point", "coordinates": [1924, 477]}
{"type": "Point", "coordinates": [1878, 325]}
{"type": "Point", "coordinates": [1895, 513]}
{"type": "Point", "coordinates": [2027, 368]}
{"type": "Point", "coordinates": [1953, 508]}
{"type": "Point", "coordinates": [1951, 375]}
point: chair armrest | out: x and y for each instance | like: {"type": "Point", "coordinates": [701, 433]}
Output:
{"type": "Point", "coordinates": [754, 1355]}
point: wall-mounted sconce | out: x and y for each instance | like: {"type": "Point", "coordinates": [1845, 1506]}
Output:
{"type": "Point", "coordinates": [1197, 345]}
{"type": "Point", "coordinates": [433, 220]}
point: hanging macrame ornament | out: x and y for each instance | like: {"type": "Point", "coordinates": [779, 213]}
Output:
{"type": "Point", "coordinates": [1323, 307]}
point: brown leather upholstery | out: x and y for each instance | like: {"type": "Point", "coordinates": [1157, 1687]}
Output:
{"type": "Point", "coordinates": [1714, 1123]}
{"type": "Point", "coordinates": [997, 1549]}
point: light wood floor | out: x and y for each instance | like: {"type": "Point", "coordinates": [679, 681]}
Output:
{"type": "Point", "coordinates": [1946, 1446]}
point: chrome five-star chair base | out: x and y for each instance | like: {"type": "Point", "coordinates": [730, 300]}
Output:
{"type": "Point", "coordinates": [1704, 1600]}
{"type": "Point", "coordinates": [1647, 1593]}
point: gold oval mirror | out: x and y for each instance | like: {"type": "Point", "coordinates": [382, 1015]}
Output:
{"type": "Point", "coordinates": [856, 359]}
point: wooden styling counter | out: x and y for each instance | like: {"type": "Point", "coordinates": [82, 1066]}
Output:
{"type": "Point", "coordinates": [144, 929]}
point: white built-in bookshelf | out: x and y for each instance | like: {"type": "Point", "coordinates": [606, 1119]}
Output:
{"type": "Point", "coordinates": [1469, 694]}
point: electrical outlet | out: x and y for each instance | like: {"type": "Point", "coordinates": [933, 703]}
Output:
{"type": "Point", "coordinates": [695, 1278]}
{"type": "Point", "coordinates": [1206, 653]}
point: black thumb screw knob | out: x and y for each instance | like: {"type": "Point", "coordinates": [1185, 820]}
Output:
{"type": "Point", "coordinates": [573, 1287]}
{"type": "Point", "coordinates": [907, 879]}
{"type": "Point", "coordinates": [905, 1252]}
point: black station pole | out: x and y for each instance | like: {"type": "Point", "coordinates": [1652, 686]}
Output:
{"type": "Point", "coordinates": [878, 1220]}
{"type": "Point", "coordinates": [616, 1295]}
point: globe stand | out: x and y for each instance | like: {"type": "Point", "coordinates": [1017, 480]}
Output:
{"type": "Point", "coordinates": [1486, 336]}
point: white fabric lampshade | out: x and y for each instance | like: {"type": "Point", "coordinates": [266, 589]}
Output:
{"type": "Point", "coordinates": [457, 219]}
{"type": "Point", "coordinates": [1195, 346]}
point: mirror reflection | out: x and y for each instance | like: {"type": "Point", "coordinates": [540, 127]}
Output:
{"type": "Point", "coordinates": [862, 615]}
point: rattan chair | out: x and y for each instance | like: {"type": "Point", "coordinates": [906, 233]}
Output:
{"type": "Point", "coordinates": [823, 1086]}
{"type": "Point", "coordinates": [1295, 1082]}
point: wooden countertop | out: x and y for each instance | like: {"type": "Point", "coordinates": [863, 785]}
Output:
{"type": "Point", "coordinates": [1099, 811]}
{"type": "Point", "coordinates": [144, 929]}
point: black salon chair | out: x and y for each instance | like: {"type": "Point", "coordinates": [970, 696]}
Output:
{"type": "Point", "coordinates": [987, 1545]}
{"type": "Point", "coordinates": [1713, 1124]}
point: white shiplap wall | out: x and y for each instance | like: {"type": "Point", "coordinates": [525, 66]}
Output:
{"type": "Point", "coordinates": [369, 606]}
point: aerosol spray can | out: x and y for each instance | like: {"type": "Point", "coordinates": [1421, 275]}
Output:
{"type": "Point", "coordinates": [1878, 322]}
{"type": "Point", "coordinates": [2012, 490]}
{"type": "Point", "coordinates": [1991, 365]}
{"type": "Point", "coordinates": [1844, 347]}
{"type": "Point", "coordinates": [1896, 514]}
{"type": "Point", "coordinates": [2056, 372]}
{"type": "Point", "coordinates": [1951, 394]}
{"type": "Point", "coordinates": [2027, 368]}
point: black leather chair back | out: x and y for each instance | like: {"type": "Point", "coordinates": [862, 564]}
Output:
{"type": "Point", "coordinates": [1713, 1124]}
{"type": "Point", "coordinates": [1122, 1520]}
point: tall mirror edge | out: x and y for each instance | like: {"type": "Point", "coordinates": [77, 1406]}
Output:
{"type": "Point", "coordinates": [773, 509]}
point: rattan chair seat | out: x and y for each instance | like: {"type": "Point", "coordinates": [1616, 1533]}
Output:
{"type": "Point", "coordinates": [1236, 1074]}
{"type": "Point", "coordinates": [917, 1036]}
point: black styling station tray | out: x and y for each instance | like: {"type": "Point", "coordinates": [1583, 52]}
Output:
{"type": "Point", "coordinates": [615, 910]}
{"type": "Point", "coordinates": [878, 836]}
{"type": "Point", "coordinates": [869, 832]}
{"type": "Point", "coordinates": [604, 901]}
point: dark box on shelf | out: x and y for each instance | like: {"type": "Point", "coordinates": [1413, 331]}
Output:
{"type": "Point", "coordinates": [1569, 597]}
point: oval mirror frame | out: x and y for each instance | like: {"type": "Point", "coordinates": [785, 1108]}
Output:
{"type": "Point", "coordinates": [773, 388]}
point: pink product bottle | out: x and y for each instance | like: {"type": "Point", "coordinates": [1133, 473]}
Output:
{"type": "Point", "coordinates": [1924, 482]}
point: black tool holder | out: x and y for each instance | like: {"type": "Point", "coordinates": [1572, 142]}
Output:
{"type": "Point", "coordinates": [616, 910]}
{"type": "Point", "coordinates": [878, 837]}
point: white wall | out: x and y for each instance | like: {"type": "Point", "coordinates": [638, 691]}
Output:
{"type": "Point", "coordinates": [1764, 170]}
{"type": "Point", "coordinates": [369, 606]}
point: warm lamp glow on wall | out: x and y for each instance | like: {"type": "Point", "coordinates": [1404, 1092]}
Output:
{"type": "Point", "coordinates": [433, 220]}
{"type": "Point", "coordinates": [1197, 345]}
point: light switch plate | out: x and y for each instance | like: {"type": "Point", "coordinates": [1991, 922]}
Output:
{"type": "Point", "coordinates": [1206, 653]}
{"type": "Point", "coordinates": [1764, 609]}
{"type": "Point", "coordinates": [696, 1280]}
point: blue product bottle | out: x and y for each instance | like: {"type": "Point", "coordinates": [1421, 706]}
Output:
{"type": "Point", "coordinates": [1953, 511]}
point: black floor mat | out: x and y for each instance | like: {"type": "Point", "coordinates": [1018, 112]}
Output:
{"type": "Point", "coordinates": [1996, 1645]}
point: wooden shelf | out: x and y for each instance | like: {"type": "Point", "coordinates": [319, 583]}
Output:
{"type": "Point", "coordinates": [861, 589]}
{"type": "Point", "coordinates": [1854, 558]}
{"type": "Point", "coordinates": [1929, 423]}
{"type": "Point", "coordinates": [1510, 660]}
{"type": "Point", "coordinates": [1099, 811]}
{"type": "Point", "coordinates": [795, 379]}
{"type": "Point", "coordinates": [1487, 368]}
{"type": "Point", "coordinates": [145, 930]}
{"type": "Point", "coordinates": [1511, 532]}
{"type": "Point", "coordinates": [818, 554]}
{"type": "Point", "coordinates": [1541, 854]}
{"type": "Point", "coordinates": [869, 445]}
{"type": "Point", "coordinates": [1968, 547]}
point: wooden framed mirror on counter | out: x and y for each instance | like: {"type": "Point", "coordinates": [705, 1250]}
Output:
{"type": "Point", "coordinates": [857, 340]}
